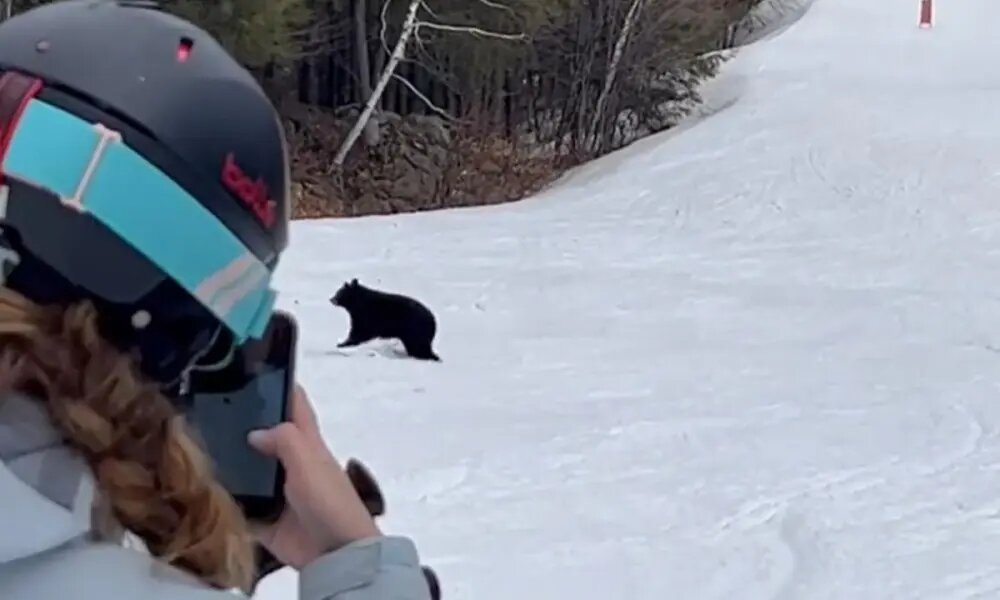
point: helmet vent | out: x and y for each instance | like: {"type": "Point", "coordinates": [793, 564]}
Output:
{"type": "Point", "coordinates": [153, 4]}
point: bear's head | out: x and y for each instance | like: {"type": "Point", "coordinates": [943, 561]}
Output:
{"type": "Point", "coordinates": [345, 293]}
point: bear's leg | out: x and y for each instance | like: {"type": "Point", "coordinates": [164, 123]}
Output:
{"type": "Point", "coordinates": [419, 349]}
{"type": "Point", "coordinates": [355, 337]}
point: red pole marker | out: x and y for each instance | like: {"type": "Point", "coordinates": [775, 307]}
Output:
{"type": "Point", "coordinates": [926, 13]}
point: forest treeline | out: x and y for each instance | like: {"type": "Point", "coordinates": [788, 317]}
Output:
{"type": "Point", "coordinates": [470, 101]}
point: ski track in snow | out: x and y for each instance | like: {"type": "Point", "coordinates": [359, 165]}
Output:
{"type": "Point", "coordinates": [755, 358]}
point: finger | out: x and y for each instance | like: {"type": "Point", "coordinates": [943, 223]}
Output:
{"type": "Point", "coordinates": [282, 442]}
{"type": "Point", "coordinates": [302, 413]}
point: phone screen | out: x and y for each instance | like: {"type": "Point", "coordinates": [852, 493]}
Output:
{"type": "Point", "coordinates": [252, 393]}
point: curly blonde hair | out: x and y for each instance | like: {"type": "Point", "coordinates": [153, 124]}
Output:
{"type": "Point", "coordinates": [153, 475]}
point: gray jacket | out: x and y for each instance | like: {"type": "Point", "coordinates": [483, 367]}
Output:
{"type": "Point", "coordinates": [47, 553]}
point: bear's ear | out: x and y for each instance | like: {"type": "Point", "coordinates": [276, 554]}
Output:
{"type": "Point", "coordinates": [354, 282]}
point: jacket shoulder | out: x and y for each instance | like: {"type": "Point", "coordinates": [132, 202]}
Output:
{"type": "Point", "coordinates": [98, 572]}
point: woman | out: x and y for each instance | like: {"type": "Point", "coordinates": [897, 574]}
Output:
{"type": "Point", "coordinates": [143, 208]}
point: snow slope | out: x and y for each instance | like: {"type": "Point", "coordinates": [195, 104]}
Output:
{"type": "Point", "coordinates": [757, 359]}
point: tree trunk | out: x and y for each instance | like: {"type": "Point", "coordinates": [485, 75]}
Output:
{"type": "Point", "coordinates": [364, 67]}
{"type": "Point", "coordinates": [602, 100]}
{"type": "Point", "coordinates": [313, 83]}
{"type": "Point", "coordinates": [409, 26]}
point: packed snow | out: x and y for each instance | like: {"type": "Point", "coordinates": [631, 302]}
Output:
{"type": "Point", "coordinates": [754, 358]}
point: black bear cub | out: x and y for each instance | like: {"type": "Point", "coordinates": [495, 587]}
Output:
{"type": "Point", "coordinates": [376, 314]}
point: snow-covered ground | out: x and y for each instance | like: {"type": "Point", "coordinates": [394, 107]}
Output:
{"type": "Point", "coordinates": [756, 359]}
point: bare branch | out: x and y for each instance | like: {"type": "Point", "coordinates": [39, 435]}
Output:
{"type": "Point", "coordinates": [472, 30]}
{"type": "Point", "coordinates": [498, 6]}
{"type": "Point", "coordinates": [430, 11]}
{"type": "Point", "coordinates": [385, 26]}
{"type": "Point", "coordinates": [424, 98]}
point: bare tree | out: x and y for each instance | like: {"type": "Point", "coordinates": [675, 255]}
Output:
{"type": "Point", "coordinates": [8, 9]}
{"type": "Point", "coordinates": [623, 38]}
{"type": "Point", "coordinates": [364, 65]}
{"type": "Point", "coordinates": [409, 26]}
{"type": "Point", "coordinates": [411, 29]}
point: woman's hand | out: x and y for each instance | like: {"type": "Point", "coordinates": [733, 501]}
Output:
{"type": "Point", "coordinates": [323, 511]}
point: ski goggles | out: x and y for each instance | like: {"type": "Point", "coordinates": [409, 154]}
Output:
{"type": "Point", "coordinates": [66, 177]}
{"type": "Point", "coordinates": [90, 169]}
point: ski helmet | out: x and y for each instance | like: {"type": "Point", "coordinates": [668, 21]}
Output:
{"type": "Point", "coordinates": [142, 169]}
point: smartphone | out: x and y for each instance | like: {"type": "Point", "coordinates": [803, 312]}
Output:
{"type": "Point", "coordinates": [253, 391]}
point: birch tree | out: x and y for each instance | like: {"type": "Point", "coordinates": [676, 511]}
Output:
{"type": "Point", "coordinates": [411, 28]}
{"type": "Point", "coordinates": [623, 37]}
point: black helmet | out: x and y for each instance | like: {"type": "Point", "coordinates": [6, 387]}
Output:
{"type": "Point", "coordinates": [143, 169]}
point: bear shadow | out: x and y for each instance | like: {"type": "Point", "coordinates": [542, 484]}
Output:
{"type": "Point", "coordinates": [383, 350]}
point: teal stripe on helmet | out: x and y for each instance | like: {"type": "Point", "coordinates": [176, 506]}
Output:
{"type": "Point", "coordinates": [52, 148]}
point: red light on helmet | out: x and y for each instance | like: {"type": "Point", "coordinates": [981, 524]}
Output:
{"type": "Point", "coordinates": [184, 50]}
